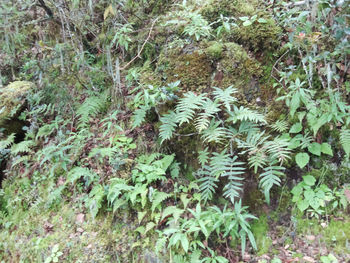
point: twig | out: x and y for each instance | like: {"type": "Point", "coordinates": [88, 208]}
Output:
{"type": "Point", "coordinates": [142, 47]}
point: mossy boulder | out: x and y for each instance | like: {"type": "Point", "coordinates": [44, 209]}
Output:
{"type": "Point", "coordinates": [12, 99]}
{"type": "Point", "coordinates": [262, 35]}
{"type": "Point", "coordinates": [190, 65]}
{"type": "Point", "coordinates": [237, 68]}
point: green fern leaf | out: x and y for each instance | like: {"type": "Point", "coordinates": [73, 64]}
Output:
{"type": "Point", "coordinates": [345, 140]}
{"type": "Point", "coordinates": [208, 182]}
{"type": "Point", "coordinates": [280, 126]}
{"type": "Point", "coordinates": [278, 150]}
{"type": "Point", "coordinates": [90, 108]}
{"type": "Point", "coordinates": [8, 141]}
{"type": "Point", "coordinates": [168, 126]}
{"type": "Point", "coordinates": [214, 133]}
{"type": "Point", "coordinates": [203, 120]}
{"type": "Point", "coordinates": [245, 114]}
{"type": "Point", "coordinates": [22, 147]}
{"type": "Point", "coordinates": [269, 178]}
{"type": "Point", "coordinates": [157, 198]}
{"type": "Point", "coordinates": [185, 109]}
{"type": "Point", "coordinates": [95, 200]}
{"type": "Point", "coordinates": [139, 116]}
{"type": "Point", "coordinates": [225, 96]}
{"type": "Point", "coordinates": [81, 172]}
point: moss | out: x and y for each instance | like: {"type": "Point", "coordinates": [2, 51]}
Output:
{"type": "Point", "coordinates": [12, 98]}
{"type": "Point", "coordinates": [260, 230]}
{"type": "Point", "coordinates": [189, 65]}
{"type": "Point", "coordinates": [258, 36]}
{"type": "Point", "coordinates": [214, 50]}
{"type": "Point", "coordinates": [336, 234]}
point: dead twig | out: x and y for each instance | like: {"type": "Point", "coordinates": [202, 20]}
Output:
{"type": "Point", "coordinates": [142, 47]}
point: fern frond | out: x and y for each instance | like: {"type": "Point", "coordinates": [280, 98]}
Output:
{"type": "Point", "coordinates": [280, 126]}
{"type": "Point", "coordinates": [345, 140]}
{"type": "Point", "coordinates": [8, 141]}
{"type": "Point", "coordinates": [214, 133]}
{"type": "Point", "coordinates": [225, 96]}
{"type": "Point", "coordinates": [19, 160]}
{"type": "Point", "coordinates": [90, 108]}
{"type": "Point", "coordinates": [168, 126]}
{"type": "Point", "coordinates": [22, 147]}
{"type": "Point", "coordinates": [103, 152]}
{"type": "Point", "coordinates": [278, 150]}
{"type": "Point", "coordinates": [117, 187]}
{"type": "Point", "coordinates": [203, 120]}
{"type": "Point", "coordinates": [203, 157]}
{"type": "Point", "coordinates": [208, 182]}
{"type": "Point", "coordinates": [157, 198]}
{"type": "Point", "coordinates": [245, 114]}
{"type": "Point", "coordinates": [81, 172]}
{"type": "Point", "coordinates": [185, 109]}
{"type": "Point", "coordinates": [139, 116]}
{"type": "Point", "coordinates": [95, 200]}
{"type": "Point", "coordinates": [247, 127]}
{"type": "Point", "coordinates": [269, 178]}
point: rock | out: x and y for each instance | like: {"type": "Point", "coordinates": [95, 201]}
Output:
{"type": "Point", "coordinates": [12, 99]}
{"type": "Point", "coordinates": [311, 237]}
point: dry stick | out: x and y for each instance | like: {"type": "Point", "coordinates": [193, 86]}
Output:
{"type": "Point", "coordinates": [142, 47]}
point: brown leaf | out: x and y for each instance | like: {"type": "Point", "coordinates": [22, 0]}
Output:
{"type": "Point", "coordinates": [308, 259]}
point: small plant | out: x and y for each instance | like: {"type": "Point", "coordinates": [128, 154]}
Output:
{"type": "Point", "coordinates": [329, 259]}
{"type": "Point", "coordinates": [55, 254]}
{"type": "Point", "coordinates": [315, 198]}
{"type": "Point", "coordinates": [247, 21]}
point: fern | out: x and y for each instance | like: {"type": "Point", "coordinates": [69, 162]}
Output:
{"type": "Point", "coordinates": [185, 109]}
{"type": "Point", "coordinates": [278, 150]}
{"type": "Point", "coordinates": [157, 198]}
{"type": "Point", "coordinates": [269, 178]}
{"type": "Point", "coordinates": [116, 190]}
{"type": "Point", "coordinates": [90, 108]}
{"type": "Point", "coordinates": [81, 172]}
{"type": "Point", "coordinates": [8, 141]}
{"type": "Point", "coordinates": [245, 114]}
{"type": "Point", "coordinates": [95, 199]}
{"type": "Point", "coordinates": [103, 152]}
{"type": "Point", "coordinates": [280, 126]}
{"type": "Point", "coordinates": [22, 147]}
{"type": "Point", "coordinates": [208, 182]}
{"type": "Point", "coordinates": [168, 126]}
{"type": "Point", "coordinates": [214, 133]}
{"type": "Point", "coordinates": [256, 152]}
{"type": "Point", "coordinates": [203, 120]}
{"type": "Point", "coordinates": [225, 96]}
{"type": "Point", "coordinates": [345, 140]}
{"type": "Point", "coordinates": [139, 116]}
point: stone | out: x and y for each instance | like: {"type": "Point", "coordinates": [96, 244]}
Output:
{"type": "Point", "coordinates": [13, 99]}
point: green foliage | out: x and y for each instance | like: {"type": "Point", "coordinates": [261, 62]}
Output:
{"type": "Point", "coordinates": [345, 140]}
{"type": "Point", "coordinates": [90, 108]}
{"type": "Point", "coordinates": [315, 199]}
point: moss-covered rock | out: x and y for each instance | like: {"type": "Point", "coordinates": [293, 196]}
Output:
{"type": "Point", "coordinates": [261, 35]}
{"type": "Point", "coordinates": [237, 68]}
{"type": "Point", "coordinates": [189, 65]}
{"type": "Point", "coordinates": [12, 99]}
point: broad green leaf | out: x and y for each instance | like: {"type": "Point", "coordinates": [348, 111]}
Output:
{"type": "Point", "coordinates": [302, 159]}
{"type": "Point", "coordinates": [309, 180]}
{"type": "Point", "coordinates": [315, 148]}
{"type": "Point", "coordinates": [296, 128]}
{"type": "Point", "coordinates": [247, 23]}
{"type": "Point", "coordinates": [295, 103]}
{"type": "Point", "coordinates": [262, 20]}
{"type": "Point", "coordinates": [303, 205]}
{"type": "Point", "coordinates": [309, 194]}
{"type": "Point", "coordinates": [326, 149]}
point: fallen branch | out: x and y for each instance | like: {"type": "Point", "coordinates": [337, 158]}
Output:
{"type": "Point", "coordinates": [142, 47]}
